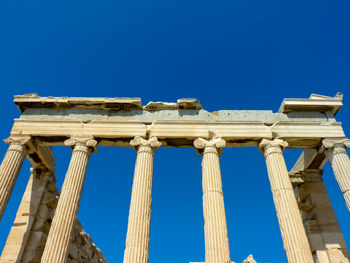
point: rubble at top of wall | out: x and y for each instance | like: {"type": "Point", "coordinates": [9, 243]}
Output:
{"type": "Point", "coordinates": [315, 108]}
{"type": "Point", "coordinates": [315, 103]}
{"type": "Point", "coordinates": [117, 104]}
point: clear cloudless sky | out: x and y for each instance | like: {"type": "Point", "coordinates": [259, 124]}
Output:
{"type": "Point", "coordinates": [229, 54]}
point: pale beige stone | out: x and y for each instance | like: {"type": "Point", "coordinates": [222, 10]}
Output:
{"type": "Point", "coordinates": [10, 168]}
{"type": "Point", "coordinates": [81, 248]}
{"type": "Point", "coordinates": [189, 104]}
{"type": "Point", "coordinates": [300, 134]}
{"type": "Point", "coordinates": [48, 121]}
{"type": "Point", "coordinates": [31, 101]}
{"type": "Point", "coordinates": [316, 102]}
{"type": "Point", "coordinates": [104, 129]}
{"type": "Point", "coordinates": [138, 235]}
{"type": "Point", "coordinates": [292, 230]}
{"type": "Point", "coordinates": [306, 159]}
{"type": "Point", "coordinates": [340, 162]}
{"type": "Point", "coordinates": [24, 220]}
{"type": "Point", "coordinates": [10, 253]}
{"type": "Point", "coordinates": [291, 131]}
{"type": "Point", "coordinates": [336, 254]}
{"type": "Point", "coordinates": [20, 232]}
{"type": "Point", "coordinates": [249, 259]}
{"type": "Point", "coordinates": [56, 249]}
{"type": "Point", "coordinates": [27, 238]}
{"type": "Point", "coordinates": [107, 119]}
{"type": "Point", "coordinates": [322, 228]}
{"type": "Point", "coordinates": [217, 248]}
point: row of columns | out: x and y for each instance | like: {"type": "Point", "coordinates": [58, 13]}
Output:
{"type": "Point", "coordinates": [215, 227]}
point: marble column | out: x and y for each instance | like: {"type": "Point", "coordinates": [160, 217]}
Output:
{"type": "Point", "coordinates": [291, 225]}
{"type": "Point", "coordinates": [137, 238]}
{"type": "Point", "coordinates": [10, 168]}
{"type": "Point", "coordinates": [57, 244]}
{"type": "Point", "coordinates": [337, 156]}
{"type": "Point", "coordinates": [215, 228]}
{"type": "Point", "coordinates": [321, 225]}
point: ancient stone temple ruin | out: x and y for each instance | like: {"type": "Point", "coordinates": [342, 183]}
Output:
{"type": "Point", "coordinates": [46, 228]}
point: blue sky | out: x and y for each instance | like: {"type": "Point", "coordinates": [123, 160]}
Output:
{"type": "Point", "coordinates": [228, 54]}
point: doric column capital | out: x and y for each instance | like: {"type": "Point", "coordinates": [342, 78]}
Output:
{"type": "Point", "coordinates": [272, 146]}
{"type": "Point", "coordinates": [81, 142]}
{"type": "Point", "coordinates": [139, 143]}
{"type": "Point", "coordinates": [213, 145]}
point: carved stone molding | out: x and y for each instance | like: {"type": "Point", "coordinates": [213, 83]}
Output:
{"type": "Point", "coordinates": [337, 145]}
{"type": "Point", "coordinates": [18, 142]}
{"type": "Point", "coordinates": [142, 144]}
{"type": "Point", "coordinates": [333, 142]}
{"type": "Point", "coordinates": [272, 146]}
{"type": "Point", "coordinates": [308, 175]}
{"type": "Point", "coordinates": [214, 145]}
{"type": "Point", "coordinates": [85, 142]}
{"type": "Point", "coordinates": [265, 143]}
{"type": "Point", "coordinates": [312, 175]}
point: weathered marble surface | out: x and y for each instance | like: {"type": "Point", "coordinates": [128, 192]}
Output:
{"type": "Point", "coordinates": [27, 238]}
{"type": "Point", "coordinates": [114, 121]}
{"type": "Point", "coordinates": [322, 228]}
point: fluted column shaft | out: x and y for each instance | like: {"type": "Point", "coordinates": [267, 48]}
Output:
{"type": "Point", "coordinates": [215, 228]}
{"type": "Point", "coordinates": [137, 239]}
{"type": "Point", "coordinates": [339, 160]}
{"type": "Point", "coordinates": [10, 168]}
{"type": "Point", "coordinates": [292, 230]}
{"type": "Point", "coordinates": [57, 244]}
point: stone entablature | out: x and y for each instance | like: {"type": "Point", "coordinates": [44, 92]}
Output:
{"type": "Point", "coordinates": [49, 118]}
{"type": "Point", "coordinates": [87, 123]}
